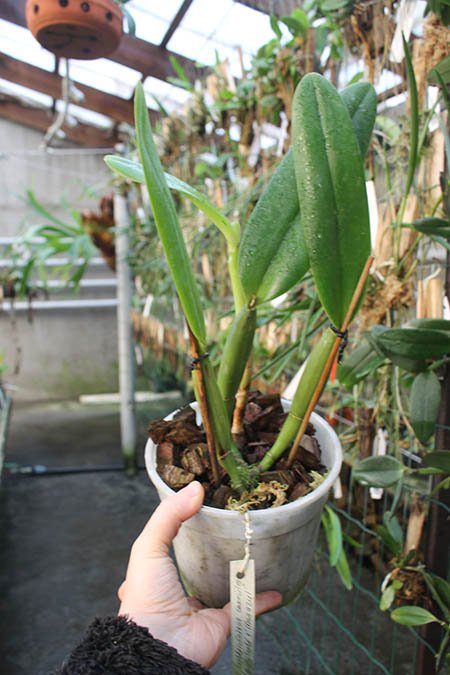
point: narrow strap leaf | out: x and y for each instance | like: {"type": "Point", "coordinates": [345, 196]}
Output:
{"type": "Point", "coordinates": [167, 222]}
{"type": "Point", "coordinates": [134, 171]}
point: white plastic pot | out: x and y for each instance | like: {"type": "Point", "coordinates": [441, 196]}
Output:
{"type": "Point", "coordinates": [282, 543]}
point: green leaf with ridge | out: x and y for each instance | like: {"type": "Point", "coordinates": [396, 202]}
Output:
{"type": "Point", "coordinates": [331, 191]}
{"type": "Point", "coordinates": [263, 269]}
{"type": "Point", "coordinates": [134, 171]}
{"type": "Point", "coordinates": [167, 223]}
{"type": "Point", "coordinates": [380, 471]}
{"type": "Point", "coordinates": [414, 343]}
{"type": "Point", "coordinates": [438, 459]}
{"type": "Point", "coordinates": [333, 532]}
{"type": "Point", "coordinates": [424, 404]}
{"type": "Point", "coordinates": [409, 615]}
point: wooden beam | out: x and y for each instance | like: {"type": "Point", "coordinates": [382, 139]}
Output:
{"type": "Point", "coordinates": [49, 83]}
{"type": "Point", "coordinates": [40, 119]}
{"type": "Point", "coordinates": [151, 60]}
{"type": "Point", "coordinates": [176, 22]}
{"type": "Point", "coordinates": [146, 58]}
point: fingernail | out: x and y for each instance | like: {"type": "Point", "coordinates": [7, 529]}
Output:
{"type": "Point", "coordinates": [193, 489]}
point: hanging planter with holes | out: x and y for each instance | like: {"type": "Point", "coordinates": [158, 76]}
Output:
{"type": "Point", "coordinates": [77, 29]}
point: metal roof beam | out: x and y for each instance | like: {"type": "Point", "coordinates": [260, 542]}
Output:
{"type": "Point", "coordinates": [176, 22]}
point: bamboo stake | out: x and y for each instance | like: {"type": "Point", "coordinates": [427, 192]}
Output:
{"type": "Point", "coordinates": [203, 403]}
{"type": "Point", "coordinates": [331, 358]}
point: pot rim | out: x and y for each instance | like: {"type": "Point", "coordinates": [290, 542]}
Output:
{"type": "Point", "coordinates": [315, 495]}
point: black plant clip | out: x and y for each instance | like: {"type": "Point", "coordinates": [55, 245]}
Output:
{"type": "Point", "coordinates": [343, 334]}
{"type": "Point", "coordinates": [197, 360]}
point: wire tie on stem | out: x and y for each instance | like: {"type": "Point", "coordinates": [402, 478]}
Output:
{"type": "Point", "coordinates": [197, 360]}
{"type": "Point", "coordinates": [343, 334]}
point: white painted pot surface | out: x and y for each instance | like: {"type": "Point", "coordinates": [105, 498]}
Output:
{"type": "Point", "coordinates": [283, 539]}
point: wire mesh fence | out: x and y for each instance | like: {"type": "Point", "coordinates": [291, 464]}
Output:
{"type": "Point", "coordinates": [333, 630]}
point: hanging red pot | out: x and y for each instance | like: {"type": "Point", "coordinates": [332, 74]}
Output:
{"type": "Point", "coordinates": [77, 29]}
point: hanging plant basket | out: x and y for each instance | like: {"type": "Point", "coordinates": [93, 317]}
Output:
{"type": "Point", "coordinates": [77, 29]}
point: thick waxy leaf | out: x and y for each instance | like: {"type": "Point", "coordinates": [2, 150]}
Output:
{"type": "Point", "coordinates": [414, 117]}
{"type": "Point", "coordinates": [391, 533]}
{"type": "Point", "coordinates": [443, 68]}
{"type": "Point", "coordinates": [442, 588]}
{"type": "Point", "coordinates": [167, 222]}
{"type": "Point", "coordinates": [360, 99]}
{"type": "Point", "coordinates": [378, 471]}
{"type": "Point", "coordinates": [134, 171]}
{"type": "Point", "coordinates": [432, 324]}
{"type": "Point", "coordinates": [412, 616]}
{"type": "Point", "coordinates": [262, 267]}
{"type": "Point", "coordinates": [333, 532]}
{"type": "Point", "coordinates": [268, 224]}
{"type": "Point", "coordinates": [359, 363]}
{"type": "Point", "coordinates": [288, 266]}
{"type": "Point", "coordinates": [332, 193]}
{"type": "Point", "coordinates": [429, 226]}
{"type": "Point", "coordinates": [439, 459]}
{"type": "Point", "coordinates": [424, 404]}
{"type": "Point", "coordinates": [343, 569]}
{"type": "Point", "coordinates": [413, 343]}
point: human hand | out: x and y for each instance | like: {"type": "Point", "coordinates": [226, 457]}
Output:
{"type": "Point", "coordinates": [152, 595]}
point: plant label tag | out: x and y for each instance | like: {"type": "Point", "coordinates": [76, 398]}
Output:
{"type": "Point", "coordinates": [242, 596]}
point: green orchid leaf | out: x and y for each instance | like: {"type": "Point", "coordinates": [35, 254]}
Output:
{"type": "Point", "coordinates": [265, 270]}
{"type": "Point", "coordinates": [359, 363]}
{"type": "Point", "coordinates": [443, 68]}
{"type": "Point", "coordinates": [343, 570]}
{"type": "Point", "coordinates": [438, 459]}
{"type": "Point", "coordinates": [413, 343]}
{"type": "Point", "coordinates": [167, 222]}
{"type": "Point", "coordinates": [442, 588]}
{"type": "Point", "coordinates": [42, 211]}
{"type": "Point", "coordinates": [288, 266]}
{"type": "Point", "coordinates": [360, 99]}
{"type": "Point", "coordinates": [409, 615]}
{"type": "Point", "coordinates": [380, 471]}
{"type": "Point", "coordinates": [424, 404]}
{"type": "Point", "coordinates": [432, 324]}
{"type": "Point", "coordinates": [275, 26]}
{"type": "Point", "coordinates": [387, 598]}
{"type": "Point", "coordinates": [414, 118]}
{"type": "Point", "coordinates": [127, 168]}
{"type": "Point", "coordinates": [430, 226]}
{"type": "Point", "coordinates": [333, 533]}
{"type": "Point", "coordinates": [334, 5]}
{"type": "Point", "coordinates": [394, 531]}
{"type": "Point", "coordinates": [267, 226]}
{"type": "Point", "coordinates": [331, 191]}
{"type": "Point", "coordinates": [388, 540]}
{"type": "Point", "coordinates": [134, 171]}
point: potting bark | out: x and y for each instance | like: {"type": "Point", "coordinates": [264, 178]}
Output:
{"type": "Point", "coordinates": [182, 454]}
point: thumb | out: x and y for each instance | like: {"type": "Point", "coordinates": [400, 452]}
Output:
{"type": "Point", "coordinates": [163, 526]}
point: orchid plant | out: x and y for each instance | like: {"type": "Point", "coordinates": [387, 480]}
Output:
{"type": "Point", "coordinates": [312, 218]}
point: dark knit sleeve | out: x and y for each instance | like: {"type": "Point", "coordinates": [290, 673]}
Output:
{"type": "Point", "coordinates": [116, 645]}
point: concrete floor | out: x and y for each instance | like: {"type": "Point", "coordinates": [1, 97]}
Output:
{"type": "Point", "coordinates": [64, 544]}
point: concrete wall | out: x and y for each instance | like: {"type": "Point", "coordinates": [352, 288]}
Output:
{"type": "Point", "coordinates": [23, 166]}
{"type": "Point", "coordinates": [61, 352]}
